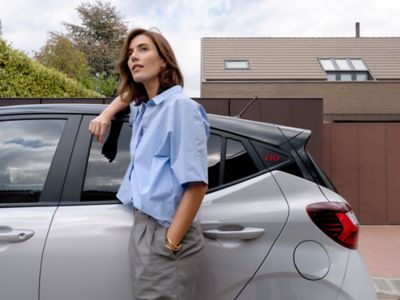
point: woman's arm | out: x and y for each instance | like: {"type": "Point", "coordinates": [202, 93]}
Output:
{"type": "Point", "coordinates": [186, 212]}
{"type": "Point", "coordinates": [99, 125]}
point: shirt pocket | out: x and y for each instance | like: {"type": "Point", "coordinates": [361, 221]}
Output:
{"type": "Point", "coordinates": [161, 175]}
{"type": "Point", "coordinates": [163, 149]}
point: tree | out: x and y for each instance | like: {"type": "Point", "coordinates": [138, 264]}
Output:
{"type": "Point", "coordinates": [106, 85]}
{"type": "Point", "coordinates": [20, 76]}
{"type": "Point", "coordinates": [100, 36]}
{"type": "Point", "coordinates": [60, 54]}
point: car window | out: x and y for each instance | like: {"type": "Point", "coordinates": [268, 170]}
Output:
{"type": "Point", "coordinates": [104, 175]}
{"type": "Point", "coordinates": [238, 162]}
{"type": "Point", "coordinates": [107, 164]}
{"type": "Point", "coordinates": [27, 149]}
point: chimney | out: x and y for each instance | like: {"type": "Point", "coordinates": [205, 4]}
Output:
{"type": "Point", "coordinates": [357, 29]}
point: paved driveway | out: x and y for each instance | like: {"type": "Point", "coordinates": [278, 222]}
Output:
{"type": "Point", "coordinates": [379, 245]}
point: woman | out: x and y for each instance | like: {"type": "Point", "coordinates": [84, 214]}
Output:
{"type": "Point", "coordinates": [167, 176]}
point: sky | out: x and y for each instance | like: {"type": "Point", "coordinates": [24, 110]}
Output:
{"type": "Point", "coordinates": [26, 23]}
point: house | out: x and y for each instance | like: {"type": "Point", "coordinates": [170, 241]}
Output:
{"type": "Point", "coordinates": [358, 79]}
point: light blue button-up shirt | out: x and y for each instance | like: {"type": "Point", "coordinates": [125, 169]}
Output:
{"type": "Point", "coordinates": [168, 150]}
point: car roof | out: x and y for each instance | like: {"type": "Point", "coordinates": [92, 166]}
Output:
{"type": "Point", "coordinates": [265, 132]}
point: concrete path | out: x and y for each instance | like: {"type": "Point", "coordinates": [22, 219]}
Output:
{"type": "Point", "coordinates": [379, 246]}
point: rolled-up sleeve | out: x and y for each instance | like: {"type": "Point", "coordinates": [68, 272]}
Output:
{"type": "Point", "coordinates": [189, 143]}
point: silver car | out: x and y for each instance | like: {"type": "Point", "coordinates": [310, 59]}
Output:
{"type": "Point", "coordinates": [275, 228]}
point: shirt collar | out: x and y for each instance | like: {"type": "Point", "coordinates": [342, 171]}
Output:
{"type": "Point", "coordinates": [164, 95]}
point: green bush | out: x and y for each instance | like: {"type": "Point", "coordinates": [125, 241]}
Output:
{"type": "Point", "coordinates": [21, 76]}
{"type": "Point", "coordinates": [105, 85]}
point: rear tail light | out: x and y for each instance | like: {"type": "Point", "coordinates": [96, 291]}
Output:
{"type": "Point", "coordinates": [336, 220]}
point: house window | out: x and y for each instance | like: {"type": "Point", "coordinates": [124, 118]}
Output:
{"type": "Point", "coordinates": [327, 64]}
{"type": "Point", "coordinates": [359, 65]}
{"type": "Point", "coordinates": [343, 64]}
{"type": "Point", "coordinates": [331, 76]}
{"type": "Point", "coordinates": [361, 76]}
{"type": "Point", "coordinates": [345, 77]}
{"type": "Point", "coordinates": [345, 69]}
{"type": "Point", "coordinates": [237, 64]}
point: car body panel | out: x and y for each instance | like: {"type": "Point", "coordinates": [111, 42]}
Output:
{"type": "Point", "coordinates": [344, 262]}
{"type": "Point", "coordinates": [276, 273]}
{"type": "Point", "coordinates": [21, 261]}
{"type": "Point", "coordinates": [228, 264]}
{"type": "Point", "coordinates": [363, 287]}
{"type": "Point", "coordinates": [86, 254]}
{"type": "Point", "coordinates": [93, 242]}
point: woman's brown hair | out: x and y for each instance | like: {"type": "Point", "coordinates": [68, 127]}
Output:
{"type": "Point", "coordinates": [169, 76]}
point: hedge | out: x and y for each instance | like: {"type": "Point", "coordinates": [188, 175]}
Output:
{"type": "Point", "coordinates": [20, 76]}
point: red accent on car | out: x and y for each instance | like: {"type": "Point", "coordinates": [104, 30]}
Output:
{"type": "Point", "coordinates": [272, 157]}
{"type": "Point", "coordinates": [336, 220]}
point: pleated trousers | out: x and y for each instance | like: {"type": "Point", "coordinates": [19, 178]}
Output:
{"type": "Point", "coordinates": [157, 272]}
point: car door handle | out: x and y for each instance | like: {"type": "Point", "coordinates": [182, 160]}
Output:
{"type": "Point", "coordinates": [234, 232]}
{"type": "Point", "coordinates": [10, 235]}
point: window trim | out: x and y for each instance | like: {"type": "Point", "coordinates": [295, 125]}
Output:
{"type": "Point", "coordinates": [222, 159]}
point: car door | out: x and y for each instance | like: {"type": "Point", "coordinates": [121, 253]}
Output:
{"type": "Point", "coordinates": [34, 155]}
{"type": "Point", "coordinates": [86, 251]}
{"type": "Point", "coordinates": [241, 217]}
{"type": "Point", "coordinates": [86, 255]}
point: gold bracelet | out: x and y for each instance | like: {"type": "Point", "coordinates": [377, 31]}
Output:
{"type": "Point", "coordinates": [171, 246]}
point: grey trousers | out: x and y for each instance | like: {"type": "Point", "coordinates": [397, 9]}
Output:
{"type": "Point", "coordinates": [158, 273]}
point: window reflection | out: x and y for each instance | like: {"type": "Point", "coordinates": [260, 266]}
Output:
{"type": "Point", "coordinates": [27, 148]}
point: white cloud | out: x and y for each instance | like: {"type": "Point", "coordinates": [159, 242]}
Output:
{"type": "Point", "coordinates": [184, 22]}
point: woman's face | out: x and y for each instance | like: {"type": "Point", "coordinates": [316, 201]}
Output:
{"type": "Point", "coordinates": [143, 60]}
